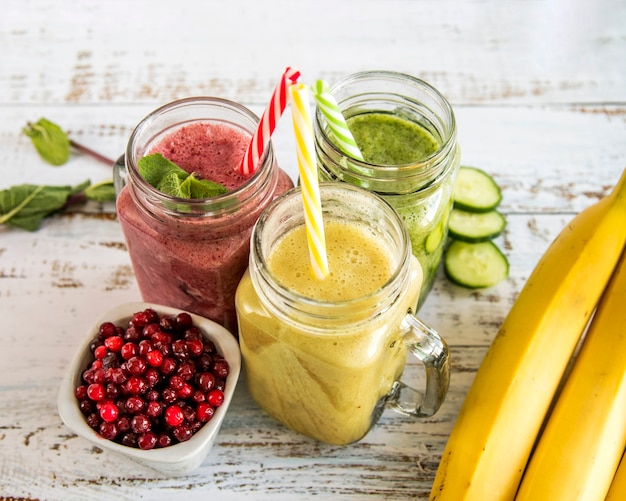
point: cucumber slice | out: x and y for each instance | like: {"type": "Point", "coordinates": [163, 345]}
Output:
{"type": "Point", "coordinates": [475, 226]}
{"type": "Point", "coordinates": [475, 265]}
{"type": "Point", "coordinates": [475, 190]}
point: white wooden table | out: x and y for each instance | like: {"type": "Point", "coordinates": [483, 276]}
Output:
{"type": "Point", "coordinates": [539, 91]}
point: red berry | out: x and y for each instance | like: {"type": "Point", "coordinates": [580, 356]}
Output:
{"type": "Point", "coordinates": [147, 441]}
{"type": "Point", "coordinates": [174, 416]}
{"type": "Point", "coordinates": [114, 343]}
{"type": "Point", "coordinates": [185, 391]}
{"type": "Point", "coordinates": [108, 430]}
{"type": "Point", "coordinates": [215, 398]}
{"type": "Point", "coordinates": [183, 321]}
{"type": "Point", "coordinates": [136, 366]}
{"type": "Point", "coordinates": [154, 358]}
{"type": "Point", "coordinates": [136, 385]}
{"type": "Point", "coordinates": [100, 352]}
{"type": "Point", "coordinates": [81, 392]}
{"type": "Point", "coordinates": [182, 433]}
{"type": "Point", "coordinates": [96, 392]}
{"type": "Point", "coordinates": [206, 381]}
{"type": "Point", "coordinates": [107, 329]}
{"type": "Point", "coordinates": [204, 412]}
{"type": "Point", "coordinates": [129, 350]}
{"type": "Point", "coordinates": [109, 412]}
{"type": "Point", "coordinates": [220, 368]}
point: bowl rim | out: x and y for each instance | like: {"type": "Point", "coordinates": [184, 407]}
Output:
{"type": "Point", "coordinates": [181, 452]}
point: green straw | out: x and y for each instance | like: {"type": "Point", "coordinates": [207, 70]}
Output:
{"type": "Point", "coordinates": [335, 119]}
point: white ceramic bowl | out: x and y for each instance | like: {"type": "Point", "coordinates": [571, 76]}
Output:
{"type": "Point", "coordinates": [177, 459]}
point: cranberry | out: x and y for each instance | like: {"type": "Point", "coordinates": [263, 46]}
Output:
{"type": "Point", "coordinates": [129, 350]}
{"type": "Point", "coordinates": [176, 382]}
{"type": "Point", "coordinates": [149, 330]}
{"type": "Point", "coordinates": [206, 381]}
{"type": "Point", "coordinates": [215, 398]}
{"type": "Point", "coordinates": [152, 376]}
{"type": "Point", "coordinates": [129, 439]}
{"type": "Point", "coordinates": [154, 409]}
{"type": "Point", "coordinates": [81, 392]}
{"type": "Point", "coordinates": [136, 385]}
{"type": "Point", "coordinates": [154, 358]}
{"type": "Point", "coordinates": [135, 405]}
{"type": "Point", "coordinates": [164, 440]}
{"type": "Point", "coordinates": [220, 368]}
{"type": "Point", "coordinates": [123, 424]}
{"type": "Point", "coordinates": [185, 391]}
{"type": "Point", "coordinates": [109, 412]}
{"type": "Point", "coordinates": [86, 407]}
{"type": "Point", "coordinates": [186, 370]}
{"type": "Point", "coordinates": [108, 430]}
{"type": "Point", "coordinates": [145, 346]}
{"type": "Point", "coordinates": [96, 392]}
{"type": "Point", "coordinates": [204, 412]}
{"type": "Point", "coordinates": [180, 349]}
{"type": "Point", "coordinates": [168, 366]}
{"type": "Point", "coordinates": [182, 433]}
{"type": "Point", "coordinates": [140, 319]}
{"type": "Point", "coordinates": [147, 440]}
{"type": "Point", "coordinates": [174, 416]}
{"type": "Point", "coordinates": [132, 335]}
{"type": "Point", "coordinates": [195, 347]}
{"type": "Point", "coordinates": [183, 321]}
{"type": "Point", "coordinates": [136, 366]}
{"type": "Point", "coordinates": [194, 334]}
{"type": "Point", "coordinates": [114, 343]}
{"type": "Point", "coordinates": [140, 423]}
{"type": "Point", "coordinates": [169, 396]}
{"type": "Point", "coordinates": [100, 352]}
{"type": "Point", "coordinates": [107, 329]}
{"type": "Point", "coordinates": [113, 390]}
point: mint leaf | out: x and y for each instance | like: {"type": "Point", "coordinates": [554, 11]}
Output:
{"type": "Point", "coordinates": [153, 168]}
{"type": "Point", "coordinates": [26, 205]}
{"type": "Point", "coordinates": [169, 178]}
{"type": "Point", "coordinates": [101, 192]}
{"type": "Point", "coordinates": [203, 188]}
{"type": "Point", "coordinates": [173, 185]}
{"type": "Point", "coordinates": [50, 141]}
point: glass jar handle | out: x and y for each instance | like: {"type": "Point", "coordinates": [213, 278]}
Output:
{"type": "Point", "coordinates": [119, 174]}
{"type": "Point", "coordinates": [428, 346]}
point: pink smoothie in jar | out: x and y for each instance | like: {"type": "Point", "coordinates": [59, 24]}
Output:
{"type": "Point", "coordinates": [191, 253]}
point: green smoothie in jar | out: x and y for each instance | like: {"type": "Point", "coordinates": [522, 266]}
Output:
{"type": "Point", "coordinates": [406, 132]}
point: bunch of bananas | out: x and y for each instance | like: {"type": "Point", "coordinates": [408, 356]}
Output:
{"type": "Point", "coordinates": [545, 418]}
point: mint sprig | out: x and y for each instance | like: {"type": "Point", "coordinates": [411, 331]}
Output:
{"type": "Point", "coordinates": [169, 178]}
{"type": "Point", "coordinates": [26, 205]}
{"type": "Point", "coordinates": [50, 141]}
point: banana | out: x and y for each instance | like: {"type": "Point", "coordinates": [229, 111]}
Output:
{"type": "Point", "coordinates": [617, 490]}
{"type": "Point", "coordinates": [585, 435]}
{"type": "Point", "coordinates": [503, 411]}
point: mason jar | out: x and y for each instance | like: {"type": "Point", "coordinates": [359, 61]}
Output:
{"type": "Point", "coordinates": [407, 132]}
{"type": "Point", "coordinates": [191, 253]}
{"type": "Point", "coordinates": [327, 359]}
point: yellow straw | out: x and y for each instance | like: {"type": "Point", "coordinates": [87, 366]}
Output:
{"type": "Point", "coordinates": [309, 183]}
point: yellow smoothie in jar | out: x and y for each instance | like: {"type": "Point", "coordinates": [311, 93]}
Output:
{"type": "Point", "coordinates": [322, 378]}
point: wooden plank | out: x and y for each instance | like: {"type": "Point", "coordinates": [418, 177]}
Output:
{"type": "Point", "coordinates": [474, 52]}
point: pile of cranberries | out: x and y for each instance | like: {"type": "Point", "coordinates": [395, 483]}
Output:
{"type": "Point", "coordinates": [153, 383]}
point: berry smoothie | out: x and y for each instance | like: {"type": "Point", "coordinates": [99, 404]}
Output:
{"type": "Point", "coordinates": [326, 382]}
{"type": "Point", "coordinates": [191, 254]}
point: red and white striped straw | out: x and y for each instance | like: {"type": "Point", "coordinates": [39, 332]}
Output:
{"type": "Point", "coordinates": [267, 124]}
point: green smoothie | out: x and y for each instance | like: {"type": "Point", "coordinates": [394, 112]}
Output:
{"type": "Point", "coordinates": [386, 139]}
{"type": "Point", "coordinates": [399, 153]}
